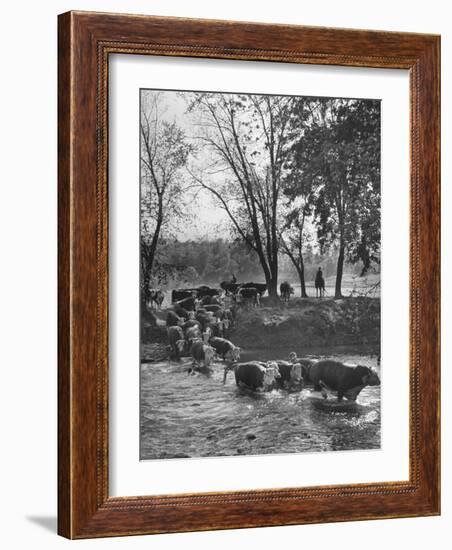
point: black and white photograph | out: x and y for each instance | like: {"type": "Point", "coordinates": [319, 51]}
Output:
{"type": "Point", "coordinates": [260, 287]}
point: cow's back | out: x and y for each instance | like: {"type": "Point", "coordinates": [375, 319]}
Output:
{"type": "Point", "coordinates": [250, 374]}
{"type": "Point", "coordinates": [334, 374]}
{"type": "Point", "coordinates": [197, 350]}
{"type": "Point", "coordinates": [175, 334]}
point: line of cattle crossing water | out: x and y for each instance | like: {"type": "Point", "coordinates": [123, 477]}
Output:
{"type": "Point", "coordinates": [188, 412]}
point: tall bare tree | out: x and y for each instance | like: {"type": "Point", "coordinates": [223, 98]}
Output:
{"type": "Point", "coordinates": [246, 137]}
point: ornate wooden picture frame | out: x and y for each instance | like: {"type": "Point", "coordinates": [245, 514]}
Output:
{"type": "Point", "coordinates": [86, 41]}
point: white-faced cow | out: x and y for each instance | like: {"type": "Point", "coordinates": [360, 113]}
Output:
{"type": "Point", "coordinates": [225, 349]}
{"type": "Point", "coordinates": [291, 375]}
{"type": "Point", "coordinates": [175, 336]}
{"type": "Point", "coordinates": [202, 354]}
{"type": "Point", "coordinates": [254, 375]}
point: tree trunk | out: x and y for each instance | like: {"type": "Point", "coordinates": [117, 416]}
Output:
{"type": "Point", "coordinates": [153, 247]}
{"type": "Point", "coordinates": [300, 269]}
{"type": "Point", "coordinates": [272, 287]}
{"type": "Point", "coordinates": [273, 283]}
{"type": "Point", "coordinates": [340, 269]}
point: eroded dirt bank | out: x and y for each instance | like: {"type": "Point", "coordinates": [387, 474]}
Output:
{"type": "Point", "coordinates": [310, 324]}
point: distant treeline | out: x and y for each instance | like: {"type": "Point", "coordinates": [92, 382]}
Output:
{"type": "Point", "coordinates": [193, 262]}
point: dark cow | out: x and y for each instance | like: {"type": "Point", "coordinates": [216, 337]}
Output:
{"type": "Point", "coordinates": [182, 312]}
{"type": "Point", "coordinates": [202, 354]}
{"type": "Point", "coordinates": [229, 287]}
{"type": "Point", "coordinates": [260, 287]}
{"type": "Point", "coordinates": [187, 303]}
{"type": "Point", "coordinates": [156, 297]}
{"type": "Point", "coordinates": [189, 324]}
{"type": "Point", "coordinates": [248, 297]}
{"type": "Point", "coordinates": [204, 291]}
{"type": "Point", "coordinates": [176, 340]}
{"type": "Point", "coordinates": [291, 374]}
{"type": "Point", "coordinates": [213, 308]}
{"type": "Point", "coordinates": [218, 328]}
{"type": "Point", "coordinates": [225, 349]}
{"type": "Point", "coordinates": [182, 293]}
{"type": "Point", "coordinates": [206, 300]}
{"type": "Point", "coordinates": [173, 320]}
{"type": "Point", "coordinates": [337, 377]}
{"type": "Point", "coordinates": [254, 375]}
{"type": "Point", "coordinates": [285, 289]}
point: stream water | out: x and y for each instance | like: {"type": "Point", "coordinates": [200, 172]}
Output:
{"type": "Point", "coordinates": [186, 415]}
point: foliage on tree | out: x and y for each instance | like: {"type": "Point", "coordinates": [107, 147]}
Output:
{"type": "Point", "coordinates": [339, 154]}
{"type": "Point", "coordinates": [195, 262]}
{"type": "Point", "coordinates": [164, 153]}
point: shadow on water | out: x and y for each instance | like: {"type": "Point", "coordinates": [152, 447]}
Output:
{"type": "Point", "coordinates": [197, 415]}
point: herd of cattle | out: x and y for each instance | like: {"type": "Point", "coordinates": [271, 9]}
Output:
{"type": "Point", "coordinates": [198, 325]}
{"type": "Point", "coordinates": [247, 294]}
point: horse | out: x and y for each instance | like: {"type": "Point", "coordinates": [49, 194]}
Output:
{"type": "Point", "coordinates": [319, 286]}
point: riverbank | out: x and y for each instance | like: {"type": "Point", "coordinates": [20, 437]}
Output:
{"type": "Point", "coordinates": [304, 324]}
{"type": "Point", "coordinates": [311, 323]}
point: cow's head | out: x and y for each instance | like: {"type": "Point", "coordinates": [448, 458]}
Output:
{"type": "Point", "coordinates": [180, 345]}
{"type": "Point", "coordinates": [296, 373]}
{"type": "Point", "coordinates": [227, 368]}
{"type": "Point", "coordinates": [206, 335]}
{"type": "Point", "coordinates": [209, 353]}
{"type": "Point", "coordinates": [226, 324]}
{"type": "Point", "coordinates": [233, 354]}
{"type": "Point", "coordinates": [271, 373]}
{"type": "Point", "coordinates": [194, 334]}
{"type": "Point", "coordinates": [368, 376]}
{"type": "Point", "coordinates": [191, 315]}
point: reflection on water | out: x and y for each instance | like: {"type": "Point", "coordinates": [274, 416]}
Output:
{"type": "Point", "coordinates": [197, 416]}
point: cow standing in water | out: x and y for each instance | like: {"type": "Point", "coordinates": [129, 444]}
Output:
{"type": "Point", "coordinates": [319, 284]}
{"type": "Point", "coordinates": [342, 379]}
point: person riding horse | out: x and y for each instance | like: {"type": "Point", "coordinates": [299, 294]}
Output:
{"type": "Point", "coordinates": [319, 284]}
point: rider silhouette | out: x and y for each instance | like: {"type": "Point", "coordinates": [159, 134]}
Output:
{"type": "Point", "coordinates": [319, 276]}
